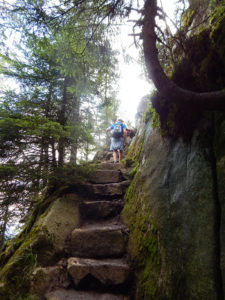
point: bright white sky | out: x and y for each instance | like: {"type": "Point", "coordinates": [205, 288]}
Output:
{"type": "Point", "coordinates": [132, 85]}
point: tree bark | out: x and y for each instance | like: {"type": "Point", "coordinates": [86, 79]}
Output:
{"type": "Point", "coordinates": [73, 153]}
{"type": "Point", "coordinates": [62, 121]}
{"type": "Point", "coordinates": [165, 86]}
{"type": "Point", "coordinates": [54, 164]}
{"type": "Point", "coordinates": [75, 120]}
{"type": "Point", "coordinates": [3, 226]}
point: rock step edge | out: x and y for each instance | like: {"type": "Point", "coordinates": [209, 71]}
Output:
{"type": "Point", "coordinates": [93, 210]}
{"type": "Point", "coordinates": [107, 271]}
{"type": "Point", "coordinates": [62, 294]}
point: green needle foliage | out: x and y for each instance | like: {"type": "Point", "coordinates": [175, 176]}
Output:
{"type": "Point", "coordinates": [62, 66]}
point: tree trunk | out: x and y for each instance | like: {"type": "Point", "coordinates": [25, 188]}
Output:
{"type": "Point", "coordinates": [165, 86]}
{"type": "Point", "coordinates": [75, 120]}
{"type": "Point", "coordinates": [54, 164]}
{"type": "Point", "coordinates": [73, 153]}
{"type": "Point", "coordinates": [3, 226]}
{"type": "Point", "coordinates": [62, 121]}
{"type": "Point", "coordinates": [45, 163]}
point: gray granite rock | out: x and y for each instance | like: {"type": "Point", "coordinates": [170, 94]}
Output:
{"type": "Point", "coordinates": [100, 209]}
{"type": "Point", "coordinates": [43, 279]}
{"type": "Point", "coordinates": [174, 192]}
{"type": "Point", "coordinates": [62, 294]}
{"type": "Point", "coordinates": [59, 220]}
{"type": "Point", "coordinates": [110, 189]}
{"type": "Point", "coordinates": [105, 176]}
{"type": "Point", "coordinates": [109, 166]}
{"type": "Point", "coordinates": [99, 241]}
{"type": "Point", "coordinates": [107, 271]}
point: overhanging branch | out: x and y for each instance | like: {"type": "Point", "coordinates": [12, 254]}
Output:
{"type": "Point", "coordinates": [165, 86]}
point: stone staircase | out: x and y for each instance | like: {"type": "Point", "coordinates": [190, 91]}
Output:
{"type": "Point", "coordinates": [96, 266]}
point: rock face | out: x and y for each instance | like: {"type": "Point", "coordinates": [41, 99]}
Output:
{"type": "Point", "coordinates": [176, 201]}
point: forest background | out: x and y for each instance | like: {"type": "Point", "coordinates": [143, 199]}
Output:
{"type": "Point", "coordinates": [65, 69]}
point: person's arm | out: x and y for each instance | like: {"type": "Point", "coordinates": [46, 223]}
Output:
{"type": "Point", "coordinates": [109, 128]}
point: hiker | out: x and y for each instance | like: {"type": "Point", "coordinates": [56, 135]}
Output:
{"type": "Point", "coordinates": [129, 134]}
{"type": "Point", "coordinates": [117, 140]}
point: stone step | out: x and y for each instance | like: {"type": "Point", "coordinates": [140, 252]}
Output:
{"type": "Point", "coordinates": [108, 272]}
{"type": "Point", "coordinates": [109, 166]}
{"type": "Point", "coordinates": [107, 190]}
{"type": "Point", "coordinates": [105, 176]}
{"type": "Point", "coordinates": [99, 210]}
{"type": "Point", "coordinates": [99, 240]}
{"type": "Point", "coordinates": [62, 294]}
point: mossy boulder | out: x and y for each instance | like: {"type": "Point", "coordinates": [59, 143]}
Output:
{"type": "Point", "coordinates": [15, 273]}
{"type": "Point", "coordinates": [59, 220]}
{"type": "Point", "coordinates": [44, 279]}
{"type": "Point", "coordinates": [40, 246]}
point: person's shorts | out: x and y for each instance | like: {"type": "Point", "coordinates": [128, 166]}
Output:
{"type": "Point", "coordinates": [117, 144]}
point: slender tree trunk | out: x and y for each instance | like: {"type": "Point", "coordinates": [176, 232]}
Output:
{"type": "Point", "coordinates": [45, 163]}
{"type": "Point", "coordinates": [43, 168]}
{"type": "Point", "coordinates": [62, 121]}
{"type": "Point", "coordinates": [75, 120]}
{"type": "Point", "coordinates": [54, 163]}
{"type": "Point", "coordinates": [73, 153]}
{"type": "Point", "coordinates": [44, 152]}
{"type": "Point", "coordinates": [61, 151]}
{"type": "Point", "coordinates": [3, 226]}
{"type": "Point", "coordinates": [41, 163]}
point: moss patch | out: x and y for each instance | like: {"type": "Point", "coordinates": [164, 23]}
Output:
{"type": "Point", "coordinates": [132, 158]}
{"type": "Point", "coordinates": [143, 243]}
{"type": "Point", "coordinates": [11, 247]}
{"type": "Point", "coordinates": [15, 274]}
{"type": "Point", "coordinates": [68, 178]}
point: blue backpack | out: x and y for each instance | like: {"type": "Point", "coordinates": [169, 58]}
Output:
{"type": "Point", "coordinates": [117, 131]}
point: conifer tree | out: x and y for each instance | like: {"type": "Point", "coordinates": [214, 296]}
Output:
{"type": "Point", "coordinates": [59, 67]}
